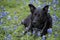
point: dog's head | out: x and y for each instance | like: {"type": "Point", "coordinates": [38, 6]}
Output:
{"type": "Point", "coordinates": [38, 13]}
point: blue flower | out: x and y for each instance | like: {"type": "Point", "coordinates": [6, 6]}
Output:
{"type": "Point", "coordinates": [4, 28]}
{"type": "Point", "coordinates": [1, 17]}
{"type": "Point", "coordinates": [8, 37]}
{"type": "Point", "coordinates": [31, 1]}
{"type": "Point", "coordinates": [38, 33]}
{"type": "Point", "coordinates": [56, 34]}
{"type": "Point", "coordinates": [2, 8]}
{"type": "Point", "coordinates": [37, 2]}
{"type": "Point", "coordinates": [49, 3]}
{"type": "Point", "coordinates": [15, 18]}
{"type": "Point", "coordinates": [54, 18]}
{"type": "Point", "coordinates": [19, 24]}
{"type": "Point", "coordinates": [3, 14]}
{"type": "Point", "coordinates": [22, 32]}
{"type": "Point", "coordinates": [28, 33]}
{"type": "Point", "coordinates": [55, 1]}
{"type": "Point", "coordinates": [49, 35]}
{"type": "Point", "coordinates": [54, 7]}
{"type": "Point", "coordinates": [49, 31]}
{"type": "Point", "coordinates": [9, 18]}
{"type": "Point", "coordinates": [33, 32]}
{"type": "Point", "coordinates": [43, 37]}
{"type": "Point", "coordinates": [15, 27]}
{"type": "Point", "coordinates": [44, 4]}
{"type": "Point", "coordinates": [27, 28]}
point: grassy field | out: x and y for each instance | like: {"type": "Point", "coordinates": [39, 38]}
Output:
{"type": "Point", "coordinates": [17, 10]}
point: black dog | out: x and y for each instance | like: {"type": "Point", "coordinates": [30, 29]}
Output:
{"type": "Point", "coordinates": [39, 18]}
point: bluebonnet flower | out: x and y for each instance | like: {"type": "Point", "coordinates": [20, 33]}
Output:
{"type": "Point", "coordinates": [54, 7]}
{"type": "Point", "coordinates": [9, 17]}
{"type": "Point", "coordinates": [7, 12]}
{"type": "Point", "coordinates": [49, 31]}
{"type": "Point", "coordinates": [37, 2]}
{"type": "Point", "coordinates": [6, 34]}
{"type": "Point", "coordinates": [49, 3]}
{"type": "Point", "coordinates": [5, 38]}
{"type": "Point", "coordinates": [56, 34]}
{"type": "Point", "coordinates": [38, 33]}
{"type": "Point", "coordinates": [33, 32]}
{"type": "Point", "coordinates": [1, 16]}
{"type": "Point", "coordinates": [43, 37]}
{"type": "Point", "coordinates": [4, 14]}
{"type": "Point", "coordinates": [15, 27]}
{"type": "Point", "coordinates": [55, 1]}
{"type": "Point", "coordinates": [4, 28]}
{"type": "Point", "coordinates": [54, 18]}
{"type": "Point", "coordinates": [49, 35]}
{"type": "Point", "coordinates": [29, 33]}
{"type": "Point", "coordinates": [22, 32]}
{"type": "Point", "coordinates": [27, 28]}
{"type": "Point", "coordinates": [9, 28]}
{"type": "Point", "coordinates": [43, 5]}
{"type": "Point", "coordinates": [39, 6]}
{"type": "Point", "coordinates": [2, 7]}
{"type": "Point", "coordinates": [16, 18]}
{"type": "Point", "coordinates": [31, 1]}
{"type": "Point", "coordinates": [19, 24]}
{"type": "Point", "coordinates": [9, 37]}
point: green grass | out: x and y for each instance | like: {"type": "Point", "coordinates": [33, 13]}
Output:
{"type": "Point", "coordinates": [22, 12]}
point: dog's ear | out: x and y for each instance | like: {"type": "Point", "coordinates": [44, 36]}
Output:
{"type": "Point", "coordinates": [32, 8]}
{"type": "Point", "coordinates": [45, 8]}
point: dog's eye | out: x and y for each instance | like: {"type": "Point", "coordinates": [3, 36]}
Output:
{"type": "Point", "coordinates": [35, 14]}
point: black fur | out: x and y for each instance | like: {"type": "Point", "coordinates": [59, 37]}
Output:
{"type": "Point", "coordinates": [38, 18]}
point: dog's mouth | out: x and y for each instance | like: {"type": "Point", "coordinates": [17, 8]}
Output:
{"type": "Point", "coordinates": [35, 24]}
